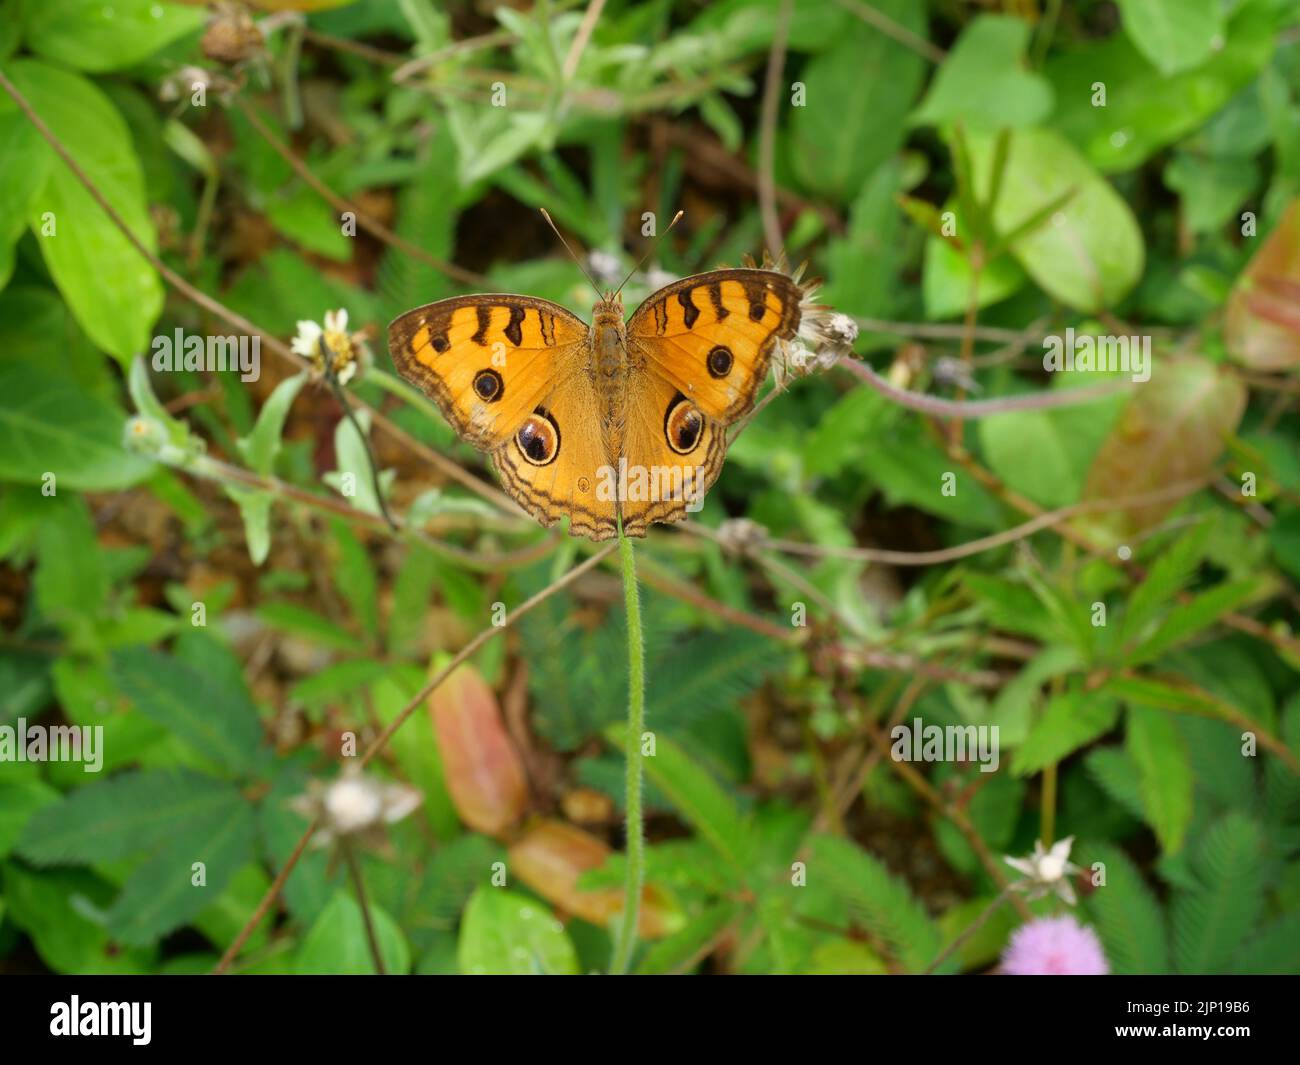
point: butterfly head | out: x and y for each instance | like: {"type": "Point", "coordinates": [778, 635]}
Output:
{"type": "Point", "coordinates": [608, 310]}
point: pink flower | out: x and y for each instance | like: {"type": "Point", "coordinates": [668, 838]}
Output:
{"type": "Point", "coordinates": [1054, 946]}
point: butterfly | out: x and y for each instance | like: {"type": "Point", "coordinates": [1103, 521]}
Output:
{"type": "Point", "coordinates": [617, 420]}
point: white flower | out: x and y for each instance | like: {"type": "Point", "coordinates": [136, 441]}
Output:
{"type": "Point", "coordinates": [1046, 871]}
{"type": "Point", "coordinates": [355, 804]}
{"type": "Point", "coordinates": [312, 342]}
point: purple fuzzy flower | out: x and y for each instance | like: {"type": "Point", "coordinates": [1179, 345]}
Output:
{"type": "Point", "coordinates": [1054, 946]}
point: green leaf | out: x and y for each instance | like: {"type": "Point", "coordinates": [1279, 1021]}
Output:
{"type": "Point", "coordinates": [697, 797]}
{"type": "Point", "coordinates": [1128, 918]}
{"type": "Point", "coordinates": [858, 92]}
{"type": "Point", "coordinates": [262, 445]}
{"type": "Point", "coordinates": [19, 139]}
{"type": "Point", "coordinates": [1070, 721]}
{"type": "Point", "coordinates": [1188, 619]}
{"type": "Point", "coordinates": [355, 576]}
{"type": "Point", "coordinates": [95, 36]}
{"type": "Point", "coordinates": [983, 82]}
{"type": "Point", "coordinates": [217, 720]}
{"type": "Point", "coordinates": [1169, 574]}
{"type": "Point", "coordinates": [879, 901]}
{"type": "Point", "coordinates": [1164, 774]}
{"type": "Point", "coordinates": [161, 893]}
{"type": "Point", "coordinates": [62, 913]}
{"type": "Point", "coordinates": [20, 801]}
{"type": "Point", "coordinates": [1147, 109]}
{"type": "Point", "coordinates": [1212, 919]}
{"type": "Point", "coordinates": [337, 944]}
{"type": "Point", "coordinates": [48, 424]}
{"type": "Point", "coordinates": [502, 933]}
{"type": "Point", "coordinates": [682, 949]}
{"type": "Point", "coordinates": [85, 246]}
{"type": "Point", "coordinates": [1273, 949]}
{"type": "Point", "coordinates": [946, 280]}
{"type": "Point", "coordinates": [1089, 254]}
{"type": "Point", "coordinates": [126, 815]}
{"type": "Point", "coordinates": [1174, 34]}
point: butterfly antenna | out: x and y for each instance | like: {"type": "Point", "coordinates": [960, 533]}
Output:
{"type": "Point", "coordinates": [647, 255]}
{"type": "Point", "coordinates": [574, 254]}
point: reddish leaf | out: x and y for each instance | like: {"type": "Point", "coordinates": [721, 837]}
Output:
{"type": "Point", "coordinates": [552, 855]}
{"type": "Point", "coordinates": [484, 773]}
{"type": "Point", "coordinates": [1262, 324]}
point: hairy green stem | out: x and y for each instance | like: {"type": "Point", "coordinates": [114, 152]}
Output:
{"type": "Point", "coordinates": [625, 940]}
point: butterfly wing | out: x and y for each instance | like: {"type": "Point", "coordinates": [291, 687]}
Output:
{"type": "Point", "coordinates": [712, 335]}
{"type": "Point", "coordinates": [487, 361]}
{"type": "Point", "coordinates": [508, 373]}
{"type": "Point", "coordinates": [557, 464]}
{"type": "Point", "coordinates": [673, 454]}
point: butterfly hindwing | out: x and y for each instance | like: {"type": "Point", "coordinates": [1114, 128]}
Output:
{"type": "Point", "coordinates": [487, 361]}
{"type": "Point", "coordinates": [673, 455]}
{"type": "Point", "coordinates": [712, 335]}
{"type": "Point", "coordinates": [557, 465]}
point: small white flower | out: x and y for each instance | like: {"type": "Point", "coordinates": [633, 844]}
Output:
{"type": "Point", "coordinates": [312, 342]}
{"type": "Point", "coordinates": [355, 804]}
{"type": "Point", "coordinates": [1046, 871]}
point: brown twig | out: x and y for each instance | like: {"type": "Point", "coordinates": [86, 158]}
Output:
{"type": "Point", "coordinates": [767, 133]}
{"type": "Point", "coordinates": [890, 28]}
{"type": "Point", "coordinates": [359, 886]}
{"type": "Point", "coordinates": [980, 408]}
{"type": "Point", "coordinates": [585, 29]}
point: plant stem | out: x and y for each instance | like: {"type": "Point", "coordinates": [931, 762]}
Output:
{"type": "Point", "coordinates": [359, 886]}
{"type": "Point", "coordinates": [625, 939]}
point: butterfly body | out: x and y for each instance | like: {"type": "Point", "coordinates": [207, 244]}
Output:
{"type": "Point", "coordinates": [616, 420]}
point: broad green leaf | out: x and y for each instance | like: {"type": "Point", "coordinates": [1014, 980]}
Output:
{"type": "Point", "coordinates": [1146, 109]}
{"type": "Point", "coordinates": [61, 910]}
{"type": "Point", "coordinates": [124, 815]}
{"type": "Point", "coordinates": [1089, 253]}
{"type": "Point", "coordinates": [1070, 721]}
{"type": "Point", "coordinates": [19, 139]}
{"type": "Point", "coordinates": [337, 944]}
{"type": "Point", "coordinates": [1177, 423]}
{"type": "Point", "coordinates": [857, 95]}
{"type": "Point", "coordinates": [1164, 774]}
{"type": "Point", "coordinates": [984, 83]}
{"type": "Point", "coordinates": [184, 878]}
{"type": "Point", "coordinates": [1212, 189]}
{"type": "Point", "coordinates": [49, 425]}
{"type": "Point", "coordinates": [20, 800]}
{"type": "Point", "coordinates": [1174, 34]}
{"type": "Point", "coordinates": [503, 933]}
{"type": "Point", "coordinates": [946, 280]}
{"type": "Point", "coordinates": [99, 35]}
{"type": "Point", "coordinates": [81, 245]}
{"type": "Point", "coordinates": [216, 720]}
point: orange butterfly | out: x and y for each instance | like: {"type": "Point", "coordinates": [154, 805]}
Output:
{"type": "Point", "coordinates": [616, 420]}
